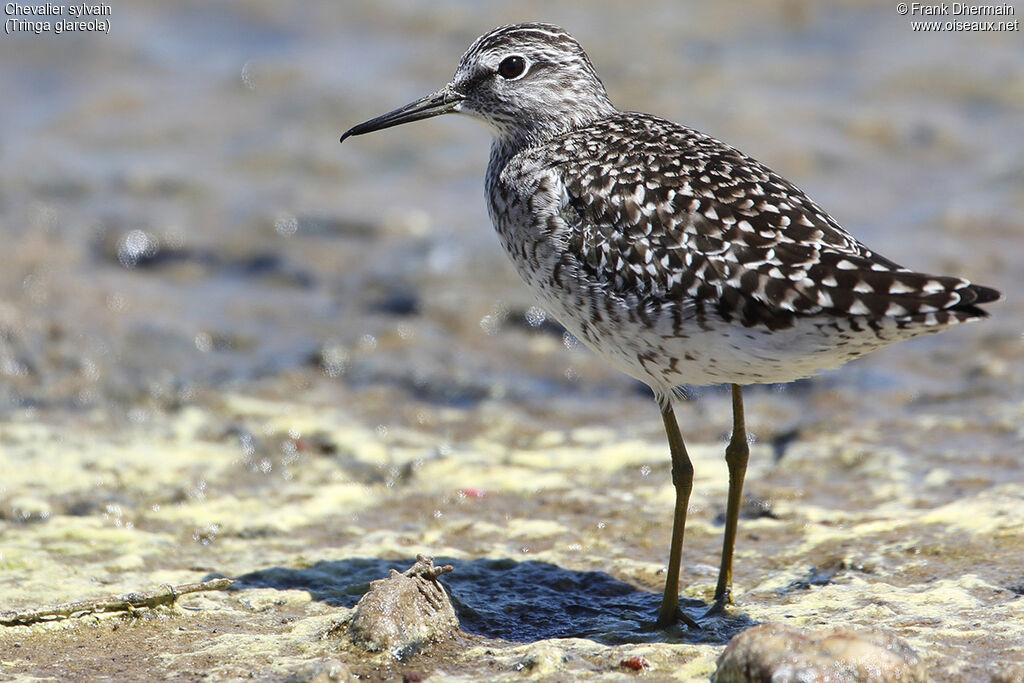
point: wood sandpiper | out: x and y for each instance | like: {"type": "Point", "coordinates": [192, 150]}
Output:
{"type": "Point", "coordinates": [675, 257]}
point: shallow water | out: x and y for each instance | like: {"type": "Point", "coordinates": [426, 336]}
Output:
{"type": "Point", "coordinates": [231, 346]}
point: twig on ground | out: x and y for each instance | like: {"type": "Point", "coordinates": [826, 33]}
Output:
{"type": "Point", "coordinates": [122, 603]}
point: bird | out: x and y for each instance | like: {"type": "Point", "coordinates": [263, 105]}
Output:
{"type": "Point", "coordinates": [675, 257]}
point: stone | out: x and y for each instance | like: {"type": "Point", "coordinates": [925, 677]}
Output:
{"type": "Point", "coordinates": [404, 612]}
{"type": "Point", "coordinates": [780, 653]}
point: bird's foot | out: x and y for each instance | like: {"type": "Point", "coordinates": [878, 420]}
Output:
{"type": "Point", "coordinates": [718, 606]}
{"type": "Point", "coordinates": [679, 617]}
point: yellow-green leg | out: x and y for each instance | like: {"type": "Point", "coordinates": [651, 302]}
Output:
{"type": "Point", "coordinates": [682, 479]}
{"type": "Point", "coordinates": [736, 455]}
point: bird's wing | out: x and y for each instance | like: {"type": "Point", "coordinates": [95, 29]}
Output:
{"type": "Point", "coordinates": [678, 215]}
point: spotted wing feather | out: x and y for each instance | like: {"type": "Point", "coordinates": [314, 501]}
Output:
{"type": "Point", "coordinates": [662, 212]}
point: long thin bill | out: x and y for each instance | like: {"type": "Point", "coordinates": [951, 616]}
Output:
{"type": "Point", "coordinates": [444, 101]}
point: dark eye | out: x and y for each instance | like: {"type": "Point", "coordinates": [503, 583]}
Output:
{"type": "Point", "coordinates": [512, 67]}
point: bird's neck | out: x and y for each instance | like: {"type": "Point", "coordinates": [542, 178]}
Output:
{"type": "Point", "coordinates": [533, 131]}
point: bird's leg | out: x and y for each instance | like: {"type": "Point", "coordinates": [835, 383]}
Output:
{"type": "Point", "coordinates": [736, 456]}
{"type": "Point", "coordinates": [682, 479]}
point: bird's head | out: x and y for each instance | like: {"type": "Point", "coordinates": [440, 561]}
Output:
{"type": "Point", "coordinates": [524, 81]}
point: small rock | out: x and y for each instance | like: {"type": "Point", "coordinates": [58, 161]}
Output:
{"type": "Point", "coordinates": [323, 671]}
{"type": "Point", "coordinates": [332, 671]}
{"type": "Point", "coordinates": [542, 659]}
{"type": "Point", "coordinates": [779, 653]}
{"type": "Point", "coordinates": [404, 612]}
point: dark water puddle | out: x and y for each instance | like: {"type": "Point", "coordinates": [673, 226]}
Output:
{"type": "Point", "coordinates": [520, 602]}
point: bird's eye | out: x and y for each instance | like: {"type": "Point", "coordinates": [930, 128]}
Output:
{"type": "Point", "coordinates": [512, 67]}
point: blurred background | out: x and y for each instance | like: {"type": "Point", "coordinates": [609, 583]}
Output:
{"type": "Point", "coordinates": [177, 215]}
{"type": "Point", "coordinates": [179, 225]}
